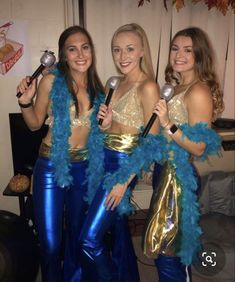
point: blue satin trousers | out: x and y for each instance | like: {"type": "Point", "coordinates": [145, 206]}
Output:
{"type": "Point", "coordinates": [121, 265]}
{"type": "Point", "coordinates": [59, 215]}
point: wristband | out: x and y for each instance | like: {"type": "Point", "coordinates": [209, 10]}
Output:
{"type": "Point", "coordinates": [172, 129]}
{"type": "Point", "coordinates": [25, 105]}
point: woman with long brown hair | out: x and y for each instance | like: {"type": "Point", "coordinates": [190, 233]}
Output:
{"type": "Point", "coordinates": [172, 231]}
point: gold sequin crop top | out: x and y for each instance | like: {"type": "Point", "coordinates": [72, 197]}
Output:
{"type": "Point", "coordinates": [127, 110]}
{"type": "Point", "coordinates": [177, 110]}
{"type": "Point", "coordinates": [82, 120]}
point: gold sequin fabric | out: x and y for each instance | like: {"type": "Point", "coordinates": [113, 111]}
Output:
{"type": "Point", "coordinates": [128, 111]}
{"type": "Point", "coordinates": [177, 110]}
{"type": "Point", "coordinates": [82, 120]}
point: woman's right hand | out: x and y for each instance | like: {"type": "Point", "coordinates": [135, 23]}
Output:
{"type": "Point", "coordinates": [161, 111]}
{"type": "Point", "coordinates": [28, 91]}
{"type": "Point", "coordinates": [105, 113]}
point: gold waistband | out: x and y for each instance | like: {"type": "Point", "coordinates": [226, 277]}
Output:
{"type": "Point", "coordinates": [75, 154]}
{"type": "Point", "coordinates": [121, 142]}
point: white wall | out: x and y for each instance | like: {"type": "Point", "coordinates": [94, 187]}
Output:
{"type": "Point", "coordinates": [46, 21]}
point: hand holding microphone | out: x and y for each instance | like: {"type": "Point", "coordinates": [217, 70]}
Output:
{"type": "Point", "coordinates": [167, 93]}
{"type": "Point", "coordinates": [112, 84]}
{"type": "Point", "coordinates": [47, 60]}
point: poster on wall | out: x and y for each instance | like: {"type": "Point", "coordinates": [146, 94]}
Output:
{"type": "Point", "coordinates": [14, 48]}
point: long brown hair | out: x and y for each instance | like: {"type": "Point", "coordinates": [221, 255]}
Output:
{"type": "Point", "coordinates": [204, 64]}
{"type": "Point", "coordinates": [94, 82]}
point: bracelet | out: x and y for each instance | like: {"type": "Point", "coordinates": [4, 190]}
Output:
{"type": "Point", "coordinates": [25, 105]}
{"type": "Point", "coordinates": [166, 124]}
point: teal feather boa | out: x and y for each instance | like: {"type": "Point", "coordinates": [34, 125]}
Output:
{"type": "Point", "coordinates": [95, 171]}
{"type": "Point", "coordinates": [61, 100]}
{"type": "Point", "coordinates": [148, 150]}
{"type": "Point", "coordinates": [189, 219]}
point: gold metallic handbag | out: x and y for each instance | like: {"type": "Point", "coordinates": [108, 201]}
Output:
{"type": "Point", "coordinates": [162, 220]}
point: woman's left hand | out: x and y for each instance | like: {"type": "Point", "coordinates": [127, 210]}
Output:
{"type": "Point", "coordinates": [115, 196]}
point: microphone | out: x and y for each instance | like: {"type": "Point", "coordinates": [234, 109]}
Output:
{"type": "Point", "coordinates": [112, 83]}
{"type": "Point", "coordinates": [47, 60]}
{"type": "Point", "coordinates": [166, 93]}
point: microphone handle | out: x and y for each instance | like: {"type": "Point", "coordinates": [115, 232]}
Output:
{"type": "Point", "coordinates": [149, 125]}
{"type": "Point", "coordinates": [107, 101]}
{"type": "Point", "coordinates": [34, 75]}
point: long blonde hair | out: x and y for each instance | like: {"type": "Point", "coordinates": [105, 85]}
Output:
{"type": "Point", "coordinates": [146, 64]}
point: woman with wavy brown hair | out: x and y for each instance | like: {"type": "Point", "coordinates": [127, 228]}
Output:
{"type": "Point", "coordinates": [172, 231]}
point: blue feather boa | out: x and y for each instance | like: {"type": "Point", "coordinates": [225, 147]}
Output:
{"type": "Point", "coordinates": [189, 218]}
{"type": "Point", "coordinates": [148, 150]}
{"type": "Point", "coordinates": [61, 100]}
{"type": "Point", "coordinates": [95, 143]}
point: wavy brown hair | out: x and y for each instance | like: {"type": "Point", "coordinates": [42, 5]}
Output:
{"type": "Point", "coordinates": [146, 61]}
{"type": "Point", "coordinates": [94, 83]}
{"type": "Point", "coordinates": [204, 65]}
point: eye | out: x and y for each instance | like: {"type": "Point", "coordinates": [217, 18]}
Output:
{"type": "Point", "coordinates": [174, 48]}
{"type": "Point", "coordinates": [71, 49]}
{"type": "Point", "coordinates": [130, 49]}
{"type": "Point", "coordinates": [116, 50]}
{"type": "Point", "coordinates": [188, 50]}
{"type": "Point", "coordinates": [86, 47]}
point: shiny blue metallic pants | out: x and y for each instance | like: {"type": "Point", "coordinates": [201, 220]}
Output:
{"type": "Point", "coordinates": [121, 266]}
{"type": "Point", "coordinates": [170, 268]}
{"type": "Point", "coordinates": [59, 215]}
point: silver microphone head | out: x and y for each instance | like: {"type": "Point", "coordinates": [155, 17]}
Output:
{"type": "Point", "coordinates": [113, 82]}
{"type": "Point", "coordinates": [167, 92]}
{"type": "Point", "coordinates": [48, 59]}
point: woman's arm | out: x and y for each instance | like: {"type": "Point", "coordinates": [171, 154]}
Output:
{"type": "Point", "coordinates": [34, 115]}
{"type": "Point", "coordinates": [149, 96]}
{"type": "Point", "coordinates": [200, 109]}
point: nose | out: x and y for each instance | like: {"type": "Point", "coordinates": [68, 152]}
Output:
{"type": "Point", "coordinates": [80, 54]}
{"type": "Point", "coordinates": [123, 55]}
{"type": "Point", "coordinates": [178, 53]}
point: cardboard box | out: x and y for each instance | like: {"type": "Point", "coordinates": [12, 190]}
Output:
{"type": "Point", "coordinates": [11, 58]}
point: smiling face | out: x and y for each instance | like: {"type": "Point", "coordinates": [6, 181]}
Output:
{"type": "Point", "coordinates": [182, 56]}
{"type": "Point", "coordinates": [78, 52]}
{"type": "Point", "coordinates": [127, 51]}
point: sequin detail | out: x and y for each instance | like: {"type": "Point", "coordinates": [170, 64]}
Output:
{"type": "Point", "coordinates": [128, 111]}
{"type": "Point", "coordinates": [177, 110]}
{"type": "Point", "coordinates": [75, 122]}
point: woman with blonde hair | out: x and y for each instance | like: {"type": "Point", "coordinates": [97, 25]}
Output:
{"type": "Point", "coordinates": [120, 155]}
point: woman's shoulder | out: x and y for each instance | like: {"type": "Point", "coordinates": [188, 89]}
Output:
{"type": "Point", "coordinates": [46, 82]}
{"type": "Point", "coordinates": [199, 92]}
{"type": "Point", "coordinates": [149, 87]}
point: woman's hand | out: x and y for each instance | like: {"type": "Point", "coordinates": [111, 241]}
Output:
{"type": "Point", "coordinates": [106, 114]}
{"type": "Point", "coordinates": [161, 111]}
{"type": "Point", "coordinates": [28, 91]}
{"type": "Point", "coordinates": [115, 196]}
